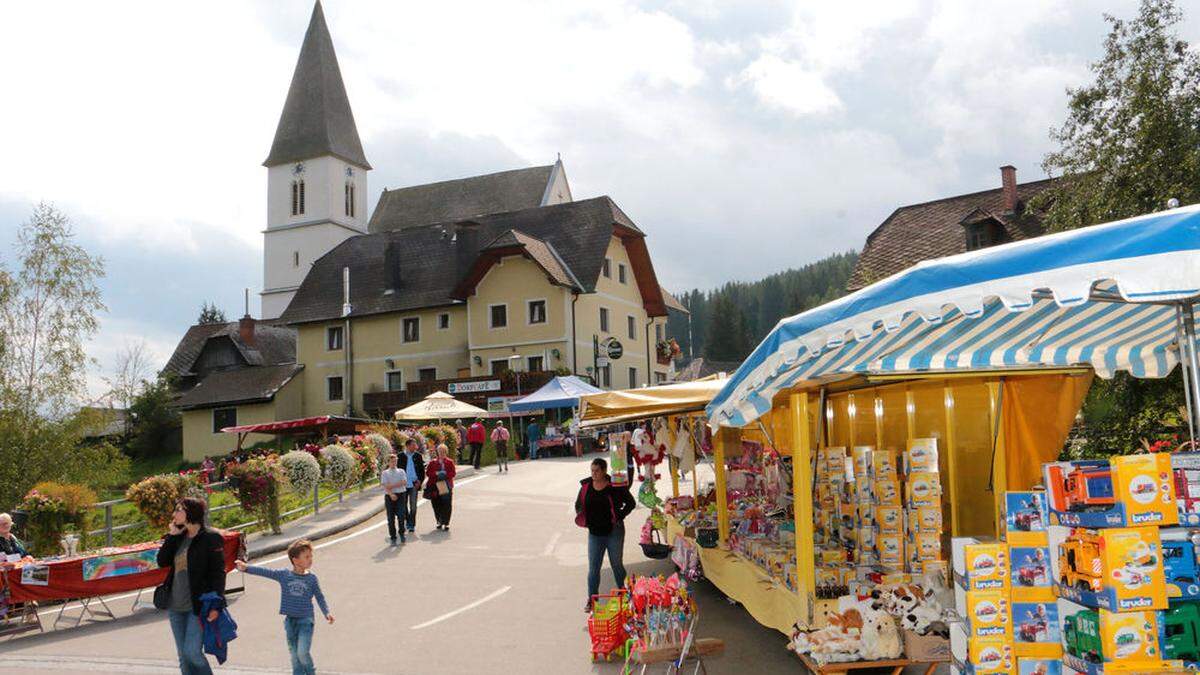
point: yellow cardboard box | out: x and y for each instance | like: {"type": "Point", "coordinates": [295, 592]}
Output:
{"type": "Point", "coordinates": [889, 519]}
{"type": "Point", "coordinates": [922, 455]}
{"type": "Point", "coordinates": [861, 456]}
{"type": "Point", "coordinates": [924, 488]}
{"type": "Point", "coordinates": [1129, 636]}
{"type": "Point", "coordinates": [928, 519]}
{"type": "Point", "coordinates": [928, 547]}
{"type": "Point", "coordinates": [1122, 566]}
{"type": "Point", "coordinates": [991, 655]}
{"type": "Point", "coordinates": [988, 614]}
{"type": "Point", "coordinates": [1145, 485]}
{"type": "Point", "coordinates": [835, 460]}
{"type": "Point", "coordinates": [986, 565]}
{"type": "Point", "coordinates": [883, 465]}
{"type": "Point", "coordinates": [887, 492]}
{"type": "Point", "coordinates": [891, 549]}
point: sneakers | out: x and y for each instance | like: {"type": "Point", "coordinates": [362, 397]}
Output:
{"type": "Point", "coordinates": [393, 541]}
{"type": "Point", "coordinates": [401, 539]}
{"type": "Point", "coordinates": [412, 529]}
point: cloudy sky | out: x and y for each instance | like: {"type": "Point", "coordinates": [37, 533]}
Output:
{"type": "Point", "coordinates": [744, 137]}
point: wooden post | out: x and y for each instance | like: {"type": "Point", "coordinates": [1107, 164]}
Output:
{"type": "Point", "coordinates": [672, 462]}
{"type": "Point", "coordinates": [951, 451]}
{"type": "Point", "coordinates": [722, 439]}
{"type": "Point", "coordinates": [877, 411]}
{"type": "Point", "coordinates": [852, 419]}
{"type": "Point", "coordinates": [806, 582]}
{"type": "Point", "coordinates": [999, 461]}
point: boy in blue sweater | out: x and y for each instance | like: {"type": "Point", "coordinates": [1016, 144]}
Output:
{"type": "Point", "coordinates": [299, 587]}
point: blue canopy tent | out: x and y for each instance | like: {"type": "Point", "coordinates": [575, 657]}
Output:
{"type": "Point", "coordinates": [1113, 297]}
{"type": "Point", "coordinates": [560, 392]}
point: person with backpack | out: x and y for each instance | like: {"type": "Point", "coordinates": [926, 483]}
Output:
{"type": "Point", "coordinates": [500, 437]}
{"type": "Point", "coordinates": [601, 507]}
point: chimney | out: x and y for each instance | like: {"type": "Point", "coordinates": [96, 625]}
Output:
{"type": "Point", "coordinates": [1008, 180]}
{"type": "Point", "coordinates": [466, 246]}
{"type": "Point", "coordinates": [391, 266]}
{"type": "Point", "coordinates": [246, 330]}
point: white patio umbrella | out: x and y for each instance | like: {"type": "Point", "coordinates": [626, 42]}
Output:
{"type": "Point", "coordinates": [439, 406]}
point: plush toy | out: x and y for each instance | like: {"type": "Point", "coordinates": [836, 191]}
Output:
{"type": "Point", "coordinates": [916, 607]}
{"type": "Point", "coordinates": [839, 641]}
{"type": "Point", "coordinates": [880, 637]}
{"type": "Point", "coordinates": [646, 452]}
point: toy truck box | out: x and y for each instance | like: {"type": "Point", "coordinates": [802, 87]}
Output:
{"type": "Point", "coordinates": [883, 465]}
{"type": "Point", "coordinates": [1185, 471]}
{"type": "Point", "coordinates": [1118, 569]}
{"type": "Point", "coordinates": [980, 656]}
{"type": "Point", "coordinates": [923, 488]}
{"type": "Point", "coordinates": [1035, 666]}
{"type": "Point", "coordinates": [1179, 548]}
{"type": "Point", "coordinates": [889, 519]}
{"type": "Point", "coordinates": [835, 461]}
{"type": "Point", "coordinates": [980, 565]}
{"type": "Point", "coordinates": [891, 550]}
{"type": "Point", "coordinates": [927, 519]}
{"type": "Point", "coordinates": [1030, 566]}
{"type": "Point", "coordinates": [1096, 640]}
{"type": "Point", "coordinates": [887, 492]}
{"type": "Point", "coordinates": [922, 455]}
{"type": "Point", "coordinates": [861, 461]}
{"type": "Point", "coordinates": [986, 613]}
{"type": "Point", "coordinates": [1130, 490]}
{"type": "Point", "coordinates": [1024, 512]}
{"type": "Point", "coordinates": [1036, 623]}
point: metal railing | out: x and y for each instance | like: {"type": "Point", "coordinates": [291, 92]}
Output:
{"type": "Point", "coordinates": [317, 502]}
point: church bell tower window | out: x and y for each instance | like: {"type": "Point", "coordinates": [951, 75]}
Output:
{"type": "Point", "coordinates": [349, 199]}
{"type": "Point", "coordinates": [297, 198]}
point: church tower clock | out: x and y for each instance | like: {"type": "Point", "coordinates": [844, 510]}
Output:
{"type": "Point", "coordinates": [316, 172]}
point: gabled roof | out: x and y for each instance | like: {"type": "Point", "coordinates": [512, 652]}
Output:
{"type": "Point", "coordinates": [701, 367]}
{"type": "Point", "coordinates": [935, 230]}
{"type": "Point", "coordinates": [672, 302]}
{"type": "Point", "coordinates": [432, 259]}
{"type": "Point", "coordinates": [461, 198]}
{"type": "Point", "coordinates": [316, 118]}
{"type": "Point", "coordinates": [243, 385]}
{"type": "Point", "coordinates": [273, 345]}
{"type": "Point", "coordinates": [516, 242]}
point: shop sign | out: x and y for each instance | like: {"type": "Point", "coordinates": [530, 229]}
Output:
{"type": "Point", "coordinates": [614, 349]}
{"type": "Point", "coordinates": [473, 387]}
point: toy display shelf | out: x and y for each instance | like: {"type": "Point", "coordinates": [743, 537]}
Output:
{"type": "Point", "coordinates": [897, 666]}
{"type": "Point", "coordinates": [1091, 668]}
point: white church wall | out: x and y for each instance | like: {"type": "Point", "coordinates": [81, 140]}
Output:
{"type": "Point", "coordinates": [287, 256]}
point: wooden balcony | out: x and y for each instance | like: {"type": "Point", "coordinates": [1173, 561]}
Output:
{"type": "Point", "coordinates": [382, 404]}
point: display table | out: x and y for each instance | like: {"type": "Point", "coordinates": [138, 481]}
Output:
{"type": "Point", "coordinates": [770, 603]}
{"type": "Point", "coordinates": [547, 444]}
{"type": "Point", "coordinates": [112, 570]}
{"type": "Point", "coordinates": [897, 666]}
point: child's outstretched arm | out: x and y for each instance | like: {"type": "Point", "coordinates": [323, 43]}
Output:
{"type": "Point", "coordinates": [277, 575]}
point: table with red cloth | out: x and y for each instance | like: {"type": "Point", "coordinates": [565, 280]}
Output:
{"type": "Point", "coordinates": [66, 579]}
{"type": "Point", "coordinates": [555, 442]}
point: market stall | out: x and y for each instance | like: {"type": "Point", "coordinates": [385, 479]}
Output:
{"type": "Point", "coordinates": [560, 393]}
{"type": "Point", "coordinates": [903, 412]}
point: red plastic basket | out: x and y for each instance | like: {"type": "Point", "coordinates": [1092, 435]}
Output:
{"type": "Point", "coordinates": [606, 624]}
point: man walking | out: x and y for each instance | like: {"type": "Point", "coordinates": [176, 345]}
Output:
{"type": "Point", "coordinates": [462, 440]}
{"type": "Point", "coordinates": [533, 434]}
{"type": "Point", "coordinates": [412, 463]}
{"type": "Point", "coordinates": [395, 488]}
{"type": "Point", "coordinates": [476, 435]}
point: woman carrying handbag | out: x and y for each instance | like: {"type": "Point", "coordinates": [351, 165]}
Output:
{"type": "Point", "coordinates": [439, 487]}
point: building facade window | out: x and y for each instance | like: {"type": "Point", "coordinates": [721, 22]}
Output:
{"type": "Point", "coordinates": [443, 320]}
{"type": "Point", "coordinates": [631, 325]}
{"type": "Point", "coordinates": [604, 319]}
{"type": "Point", "coordinates": [295, 258]}
{"type": "Point", "coordinates": [349, 199]}
{"type": "Point", "coordinates": [535, 363]}
{"type": "Point", "coordinates": [395, 380]}
{"type": "Point", "coordinates": [333, 338]}
{"type": "Point", "coordinates": [224, 417]}
{"type": "Point", "coordinates": [633, 381]}
{"type": "Point", "coordinates": [410, 329]}
{"type": "Point", "coordinates": [537, 311]}
{"type": "Point", "coordinates": [333, 388]}
{"type": "Point", "coordinates": [658, 332]}
{"type": "Point", "coordinates": [498, 366]}
{"type": "Point", "coordinates": [427, 374]}
{"type": "Point", "coordinates": [606, 268]}
{"type": "Point", "coordinates": [498, 316]}
{"type": "Point", "coordinates": [297, 198]}
{"type": "Point", "coordinates": [621, 272]}
{"type": "Point", "coordinates": [659, 377]}
{"type": "Point", "coordinates": [604, 376]}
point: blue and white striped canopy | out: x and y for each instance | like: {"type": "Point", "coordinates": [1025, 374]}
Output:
{"type": "Point", "coordinates": [1082, 297]}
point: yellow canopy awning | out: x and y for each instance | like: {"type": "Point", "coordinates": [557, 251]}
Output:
{"type": "Point", "coordinates": [628, 405]}
{"type": "Point", "coordinates": [439, 406]}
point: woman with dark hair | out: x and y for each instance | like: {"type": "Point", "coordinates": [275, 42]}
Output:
{"type": "Point", "coordinates": [601, 507]}
{"type": "Point", "coordinates": [195, 557]}
{"type": "Point", "coordinates": [439, 487]}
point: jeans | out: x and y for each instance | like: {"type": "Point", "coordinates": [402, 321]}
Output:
{"type": "Point", "coordinates": [395, 513]}
{"type": "Point", "coordinates": [410, 512]}
{"type": "Point", "coordinates": [614, 543]}
{"type": "Point", "coordinates": [299, 633]}
{"type": "Point", "coordinates": [476, 454]}
{"type": "Point", "coordinates": [189, 644]}
{"type": "Point", "coordinates": [532, 449]}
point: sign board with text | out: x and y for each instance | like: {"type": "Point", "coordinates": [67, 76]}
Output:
{"type": "Point", "coordinates": [473, 387]}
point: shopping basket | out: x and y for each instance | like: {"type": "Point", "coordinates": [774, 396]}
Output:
{"type": "Point", "coordinates": [606, 625]}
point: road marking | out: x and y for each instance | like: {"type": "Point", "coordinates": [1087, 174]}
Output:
{"type": "Point", "coordinates": [101, 664]}
{"type": "Point", "coordinates": [382, 523]}
{"type": "Point", "coordinates": [549, 550]}
{"type": "Point", "coordinates": [460, 610]}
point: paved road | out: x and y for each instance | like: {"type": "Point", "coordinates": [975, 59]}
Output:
{"type": "Point", "coordinates": [502, 591]}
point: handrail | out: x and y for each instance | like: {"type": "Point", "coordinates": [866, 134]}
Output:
{"type": "Point", "coordinates": [317, 501]}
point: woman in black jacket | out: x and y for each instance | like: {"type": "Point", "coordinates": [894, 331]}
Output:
{"type": "Point", "coordinates": [603, 507]}
{"type": "Point", "coordinates": [195, 557]}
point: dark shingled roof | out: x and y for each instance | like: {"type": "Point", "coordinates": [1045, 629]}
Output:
{"type": "Point", "coordinates": [935, 230]}
{"type": "Point", "coordinates": [316, 118]}
{"type": "Point", "coordinates": [540, 252]}
{"type": "Point", "coordinates": [432, 259]}
{"type": "Point", "coordinates": [461, 198]}
{"type": "Point", "coordinates": [243, 385]}
{"type": "Point", "coordinates": [272, 345]}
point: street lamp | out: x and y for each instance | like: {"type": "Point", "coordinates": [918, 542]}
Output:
{"type": "Point", "coordinates": [515, 360]}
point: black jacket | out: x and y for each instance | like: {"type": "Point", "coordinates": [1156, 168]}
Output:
{"type": "Point", "coordinates": [418, 461]}
{"type": "Point", "coordinates": [205, 560]}
{"type": "Point", "coordinates": [603, 509]}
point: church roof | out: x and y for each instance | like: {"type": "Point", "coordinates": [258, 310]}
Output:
{"type": "Point", "coordinates": [433, 259]}
{"type": "Point", "coordinates": [316, 118]}
{"type": "Point", "coordinates": [461, 198]}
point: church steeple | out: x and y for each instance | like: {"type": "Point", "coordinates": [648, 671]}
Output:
{"type": "Point", "coordinates": [316, 119]}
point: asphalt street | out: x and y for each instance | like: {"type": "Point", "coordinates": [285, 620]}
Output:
{"type": "Point", "coordinates": [502, 591]}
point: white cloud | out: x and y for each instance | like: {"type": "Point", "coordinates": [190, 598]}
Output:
{"type": "Point", "coordinates": [789, 85]}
